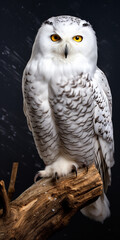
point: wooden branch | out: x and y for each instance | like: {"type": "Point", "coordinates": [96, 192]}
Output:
{"type": "Point", "coordinates": [11, 188]}
{"type": "Point", "coordinates": [48, 205]}
{"type": "Point", "coordinates": [4, 198]}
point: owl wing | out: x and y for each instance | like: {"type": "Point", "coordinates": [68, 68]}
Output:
{"type": "Point", "coordinates": [104, 142]}
{"type": "Point", "coordinates": [39, 117]}
{"type": "Point", "coordinates": [25, 109]}
{"type": "Point", "coordinates": [103, 82]}
{"type": "Point", "coordinates": [27, 115]}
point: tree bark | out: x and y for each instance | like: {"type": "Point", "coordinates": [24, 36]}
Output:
{"type": "Point", "coordinates": [48, 205]}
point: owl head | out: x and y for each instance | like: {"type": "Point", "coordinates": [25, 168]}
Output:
{"type": "Point", "coordinates": [67, 40]}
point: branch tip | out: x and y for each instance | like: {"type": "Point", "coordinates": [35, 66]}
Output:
{"type": "Point", "coordinates": [4, 197]}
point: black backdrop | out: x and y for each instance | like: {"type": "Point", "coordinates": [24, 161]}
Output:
{"type": "Point", "coordinates": [19, 22]}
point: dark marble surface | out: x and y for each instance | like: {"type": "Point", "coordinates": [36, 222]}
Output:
{"type": "Point", "coordinates": [19, 22]}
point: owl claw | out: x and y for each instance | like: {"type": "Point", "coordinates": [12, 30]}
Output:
{"type": "Point", "coordinates": [36, 176]}
{"type": "Point", "coordinates": [74, 169]}
{"type": "Point", "coordinates": [56, 176]}
{"type": "Point", "coordinates": [85, 166]}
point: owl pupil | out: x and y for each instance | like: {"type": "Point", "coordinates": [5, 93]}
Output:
{"type": "Point", "coordinates": [77, 38]}
{"type": "Point", "coordinates": [56, 37]}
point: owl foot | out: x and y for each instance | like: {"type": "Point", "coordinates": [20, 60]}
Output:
{"type": "Point", "coordinates": [61, 167]}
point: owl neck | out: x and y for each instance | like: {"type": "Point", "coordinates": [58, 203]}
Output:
{"type": "Point", "coordinates": [51, 68]}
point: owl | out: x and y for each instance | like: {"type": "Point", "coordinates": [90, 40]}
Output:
{"type": "Point", "coordinates": [68, 104]}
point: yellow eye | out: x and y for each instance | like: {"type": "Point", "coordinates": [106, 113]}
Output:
{"type": "Point", "coordinates": [78, 38]}
{"type": "Point", "coordinates": [55, 37]}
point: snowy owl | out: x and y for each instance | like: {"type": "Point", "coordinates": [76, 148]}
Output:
{"type": "Point", "coordinates": [68, 104]}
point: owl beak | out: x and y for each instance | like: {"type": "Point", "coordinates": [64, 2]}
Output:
{"type": "Point", "coordinates": [66, 51]}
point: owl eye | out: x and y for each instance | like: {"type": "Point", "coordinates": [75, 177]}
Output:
{"type": "Point", "coordinates": [78, 38]}
{"type": "Point", "coordinates": [55, 37]}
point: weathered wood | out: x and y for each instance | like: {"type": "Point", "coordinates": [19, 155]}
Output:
{"type": "Point", "coordinates": [11, 188]}
{"type": "Point", "coordinates": [48, 205]}
{"type": "Point", "coordinates": [4, 199]}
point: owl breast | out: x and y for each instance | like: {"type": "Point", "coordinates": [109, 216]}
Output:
{"type": "Point", "coordinates": [72, 105]}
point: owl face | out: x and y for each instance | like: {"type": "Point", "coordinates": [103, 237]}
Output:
{"type": "Point", "coordinates": [66, 36]}
{"type": "Point", "coordinates": [66, 39]}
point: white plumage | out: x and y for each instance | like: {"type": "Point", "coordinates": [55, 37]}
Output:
{"type": "Point", "coordinates": [68, 103]}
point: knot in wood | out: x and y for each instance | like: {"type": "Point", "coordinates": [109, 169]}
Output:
{"type": "Point", "coordinates": [68, 202]}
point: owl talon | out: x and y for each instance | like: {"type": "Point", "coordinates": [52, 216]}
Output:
{"type": "Point", "coordinates": [74, 169]}
{"type": "Point", "coordinates": [56, 176]}
{"type": "Point", "coordinates": [36, 176]}
{"type": "Point", "coordinates": [85, 166]}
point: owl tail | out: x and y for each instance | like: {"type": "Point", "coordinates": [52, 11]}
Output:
{"type": "Point", "coordinates": [99, 210]}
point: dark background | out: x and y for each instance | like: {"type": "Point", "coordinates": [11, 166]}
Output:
{"type": "Point", "coordinates": [19, 22]}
